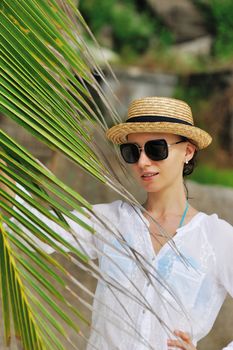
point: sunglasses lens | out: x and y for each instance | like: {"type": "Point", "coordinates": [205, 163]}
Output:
{"type": "Point", "coordinates": [130, 152]}
{"type": "Point", "coordinates": [156, 149]}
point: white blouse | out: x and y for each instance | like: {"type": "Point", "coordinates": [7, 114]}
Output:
{"type": "Point", "coordinates": [182, 287]}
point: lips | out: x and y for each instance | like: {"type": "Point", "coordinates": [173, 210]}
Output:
{"type": "Point", "coordinates": [148, 176]}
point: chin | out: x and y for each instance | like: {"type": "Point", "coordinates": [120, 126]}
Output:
{"type": "Point", "coordinates": [151, 188]}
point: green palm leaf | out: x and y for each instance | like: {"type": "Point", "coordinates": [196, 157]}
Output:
{"type": "Point", "coordinates": [13, 288]}
{"type": "Point", "coordinates": [44, 82]}
{"type": "Point", "coordinates": [47, 73]}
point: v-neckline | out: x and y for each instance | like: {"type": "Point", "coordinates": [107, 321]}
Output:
{"type": "Point", "coordinates": [170, 241]}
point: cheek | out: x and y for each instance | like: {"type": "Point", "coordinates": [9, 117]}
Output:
{"type": "Point", "coordinates": [174, 167]}
{"type": "Point", "coordinates": [171, 166]}
{"type": "Point", "coordinates": [134, 170]}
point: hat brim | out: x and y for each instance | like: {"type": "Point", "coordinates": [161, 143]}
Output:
{"type": "Point", "coordinates": [118, 133]}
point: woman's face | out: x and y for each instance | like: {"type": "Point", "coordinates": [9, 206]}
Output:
{"type": "Point", "coordinates": [155, 176]}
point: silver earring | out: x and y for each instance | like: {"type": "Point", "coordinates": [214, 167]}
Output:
{"type": "Point", "coordinates": [186, 161]}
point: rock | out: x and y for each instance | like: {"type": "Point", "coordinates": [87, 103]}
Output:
{"type": "Point", "coordinates": [197, 47]}
{"type": "Point", "coordinates": [103, 55]}
{"type": "Point", "coordinates": [182, 17]}
{"type": "Point", "coordinates": [136, 83]}
{"type": "Point", "coordinates": [23, 137]}
{"type": "Point", "coordinates": [223, 107]}
{"type": "Point", "coordinates": [214, 199]}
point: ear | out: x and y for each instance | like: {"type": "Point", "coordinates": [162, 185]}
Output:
{"type": "Point", "coordinates": [189, 152]}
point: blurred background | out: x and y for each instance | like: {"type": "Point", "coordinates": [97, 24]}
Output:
{"type": "Point", "coordinates": [176, 48]}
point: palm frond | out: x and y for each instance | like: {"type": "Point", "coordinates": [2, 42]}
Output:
{"type": "Point", "coordinates": [48, 84]}
{"type": "Point", "coordinates": [14, 296]}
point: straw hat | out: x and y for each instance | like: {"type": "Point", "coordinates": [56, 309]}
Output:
{"type": "Point", "coordinates": [159, 114]}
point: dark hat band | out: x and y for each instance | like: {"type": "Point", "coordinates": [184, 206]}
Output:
{"type": "Point", "coordinates": [155, 118]}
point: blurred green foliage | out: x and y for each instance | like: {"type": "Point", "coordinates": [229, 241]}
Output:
{"type": "Point", "coordinates": [222, 11]}
{"type": "Point", "coordinates": [193, 95]}
{"type": "Point", "coordinates": [219, 15]}
{"type": "Point", "coordinates": [130, 27]}
{"type": "Point", "coordinates": [207, 174]}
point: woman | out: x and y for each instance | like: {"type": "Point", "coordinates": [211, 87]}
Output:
{"type": "Point", "coordinates": [159, 141]}
{"type": "Point", "coordinates": [168, 266]}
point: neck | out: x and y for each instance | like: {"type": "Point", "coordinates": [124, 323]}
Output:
{"type": "Point", "coordinates": [166, 202]}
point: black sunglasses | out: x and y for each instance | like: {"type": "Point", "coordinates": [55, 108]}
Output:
{"type": "Point", "coordinates": [154, 149]}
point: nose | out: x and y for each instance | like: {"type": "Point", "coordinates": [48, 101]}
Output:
{"type": "Point", "coordinates": [143, 159]}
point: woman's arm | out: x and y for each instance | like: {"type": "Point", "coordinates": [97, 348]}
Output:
{"type": "Point", "coordinates": [223, 245]}
{"type": "Point", "coordinates": [81, 239]}
{"type": "Point", "coordinates": [222, 240]}
{"type": "Point", "coordinates": [85, 240]}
